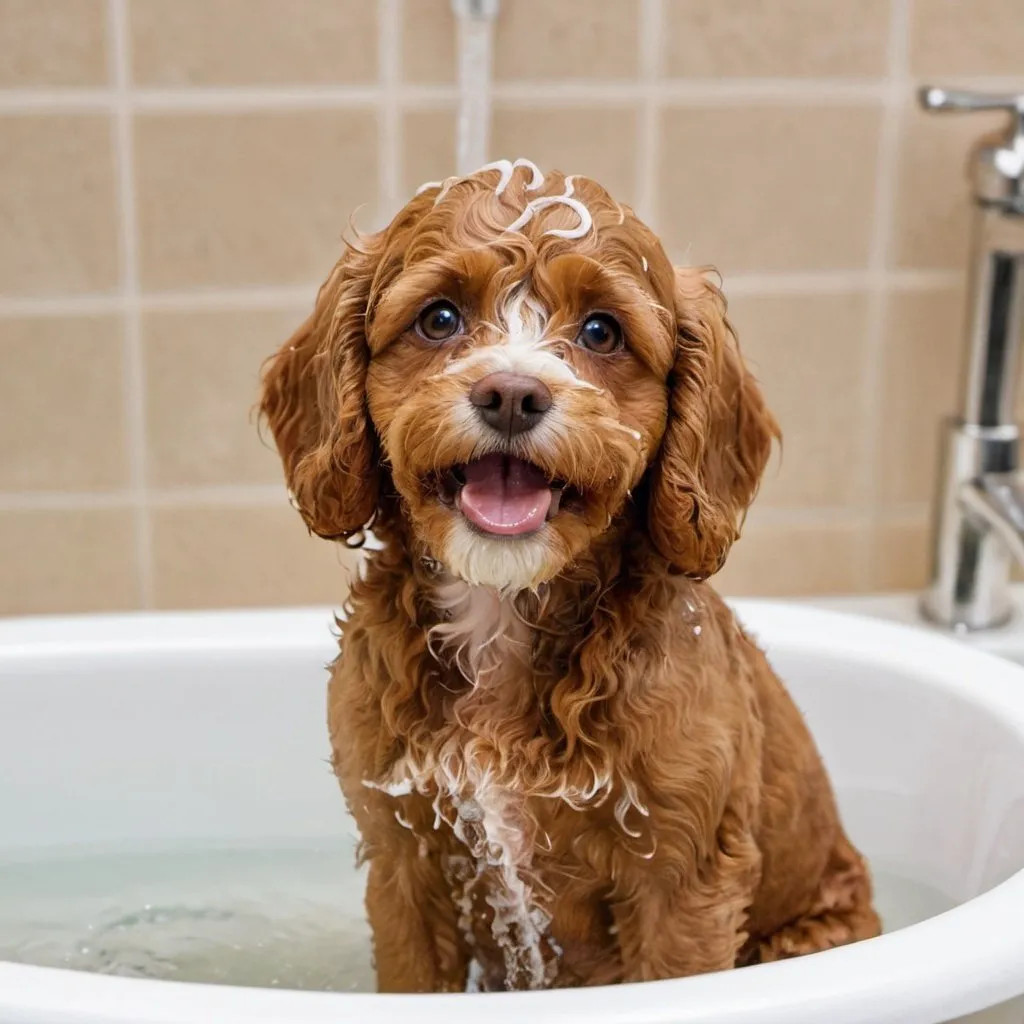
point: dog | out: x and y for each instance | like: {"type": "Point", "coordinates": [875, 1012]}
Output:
{"type": "Point", "coordinates": [568, 764]}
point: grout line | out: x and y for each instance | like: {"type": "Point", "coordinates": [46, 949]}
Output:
{"type": "Point", "coordinates": [243, 100]}
{"type": "Point", "coordinates": [922, 280]}
{"type": "Point", "coordinates": [301, 296]}
{"type": "Point", "coordinates": [906, 512]}
{"type": "Point", "coordinates": [897, 95]}
{"type": "Point", "coordinates": [544, 93]}
{"type": "Point", "coordinates": [389, 142]}
{"type": "Point", "coordinates": [134, 374]}
{"type": "Point", "coordinates": [258, 297]}
{"type": "Point", "coordinates": [647, 144]}
{"type": "Point", "coordinates": [582, 94]}
{"type": "Point", "coordinates": [762, 92]}
{"type": "Point", "coordinates": [430, 98]}
{"type": "Point", "coordinates": [839, 282]}
{"type": "Point", "coordinates": [235, 495]}
{"type": "Point", "coordinates": [580, 91]}
{"type": "Point", "coordinates": [57, 101]}
{"type": "Point", "coordinates": [219, 100]}
{"type": "Point", "coordinates": [795, 283]}
{"type": "Point", "coordinates": [72, 501]}
{"type": "Point", "coordinates": [64, 305]}
{"type": "Point", "coordinates": [759, 91]}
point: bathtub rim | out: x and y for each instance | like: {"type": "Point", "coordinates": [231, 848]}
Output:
{"type": "Point", "coordinates": [968, 959]}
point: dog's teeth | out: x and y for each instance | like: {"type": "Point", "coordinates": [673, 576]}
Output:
{"type": "Point", "coordinates": [556, 498]}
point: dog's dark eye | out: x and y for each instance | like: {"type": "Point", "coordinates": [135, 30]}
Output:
{"type": "Point", "coordinates": [439, 321]}
{"type": "Point", "coordinates": [601, 333]}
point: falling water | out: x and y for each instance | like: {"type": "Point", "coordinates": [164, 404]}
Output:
{"type": "Point", "coordinates": [475, 20]}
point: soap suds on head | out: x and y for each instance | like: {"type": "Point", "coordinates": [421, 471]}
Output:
{"type": "Point", "coordinates": [538, 177]}
{"type": "Point", "coordinates": [505, 169]}
{"type": "Point", "coordinates": [566, 199]}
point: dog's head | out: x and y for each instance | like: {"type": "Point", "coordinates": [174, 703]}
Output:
{"type": "Point", "coordinates": [517, 359]}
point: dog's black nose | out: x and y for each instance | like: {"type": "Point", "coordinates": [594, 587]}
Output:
{"type": "Point", "coordinates": [510, 402]}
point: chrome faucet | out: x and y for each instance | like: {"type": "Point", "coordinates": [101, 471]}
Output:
{"type": "Point", "coordinates": [979, 515]}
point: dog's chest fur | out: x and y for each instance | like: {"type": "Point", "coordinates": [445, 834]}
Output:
{"type": "Point", "coordinates": [481, 633]}
{"type": "Point", "coordinates": [484, 639]}
{"type": "Point", "coordinates": [496, 803]}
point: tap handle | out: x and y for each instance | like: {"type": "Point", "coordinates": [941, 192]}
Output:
{"type": "Point", "coordinates": [933, 97]}
{"type": "Point", "coordinates": [999, 159]}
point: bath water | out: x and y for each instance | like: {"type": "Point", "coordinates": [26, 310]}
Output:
{"type": "Point", "coordinates": [276, 916]}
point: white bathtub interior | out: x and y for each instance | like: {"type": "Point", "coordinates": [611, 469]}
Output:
{"type": "Point", "coordinates": [156, 771]}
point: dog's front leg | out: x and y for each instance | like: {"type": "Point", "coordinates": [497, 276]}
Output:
{"type": "Point", "coordinates": [417, 942]}
{"type": "Point", "coordinates": [677, 918]}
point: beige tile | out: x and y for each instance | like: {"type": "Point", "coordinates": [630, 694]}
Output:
{"type": "Point", "coordinates": [250, 198]}
{"type": "Point", "coordinates": [57, 205]}
{"type": "Point", "coordinates": [67, 561]}
{"type": "Point", "coordinates": [900, 555]}
{"type": "Point", "coordinates": [769, 38]}
{"type": "Point", "coordinates": [808, 353]}
{"type": "Point", "coordinates": [202, 382]}
{"type": "Point", "coordinates": [594, 141]}
{"type": "Point", "coordinates": [428, 41]}
{"type": "Point", "coordinates": [790, 560]}
{"type": "Point", "coordinates": [931, 222]}
{"type": "Point", "coordinates": [769, 188]}
{"type": "Point", "coordinates": [253, 42]}
{"type": "Point", "coordinates": [429, 148]}
{"type": "Point", "coordinates": [52, 43]}
{"type": "Point", "coordinates": [921, 372]}
{"type": "Point", "coordinates": [570, 39]}
{"type": "Point", "coordinates": [978, 37]}
{"type": "Point", "coordinates": [224, 557]}
{"type": "Point", "coordinates": [61, 405]}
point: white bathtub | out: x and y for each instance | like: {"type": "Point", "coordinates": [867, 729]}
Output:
{"type": "Point", "coordinates": [209, 729]}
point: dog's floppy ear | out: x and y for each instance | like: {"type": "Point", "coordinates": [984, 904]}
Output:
{"type": "Point", "coordinates": [717, 440]}
{"type": "Point", "coordinates": [314, 399]}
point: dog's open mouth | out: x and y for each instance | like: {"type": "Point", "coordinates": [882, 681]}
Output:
{"type": "Point", "coordinates": [502, 495]}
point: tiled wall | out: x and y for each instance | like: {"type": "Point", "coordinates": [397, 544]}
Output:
{"type": "Point", "coordinates": [175, 176]}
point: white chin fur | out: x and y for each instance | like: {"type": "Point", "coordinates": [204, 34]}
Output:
{"type": "Point", "coordinates": [508, 564]}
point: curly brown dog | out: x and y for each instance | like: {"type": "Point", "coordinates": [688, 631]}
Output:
{"type": "Point", "coordinates": [568, 764]}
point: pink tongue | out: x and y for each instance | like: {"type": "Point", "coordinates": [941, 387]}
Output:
{"type": "Point", "coordinates": [504, 495]}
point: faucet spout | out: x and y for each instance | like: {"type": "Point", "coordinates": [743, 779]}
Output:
{"type": "Point", "coordinates": [979, 527]}
{"type": "Point", "coordinates": [996, 502]}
